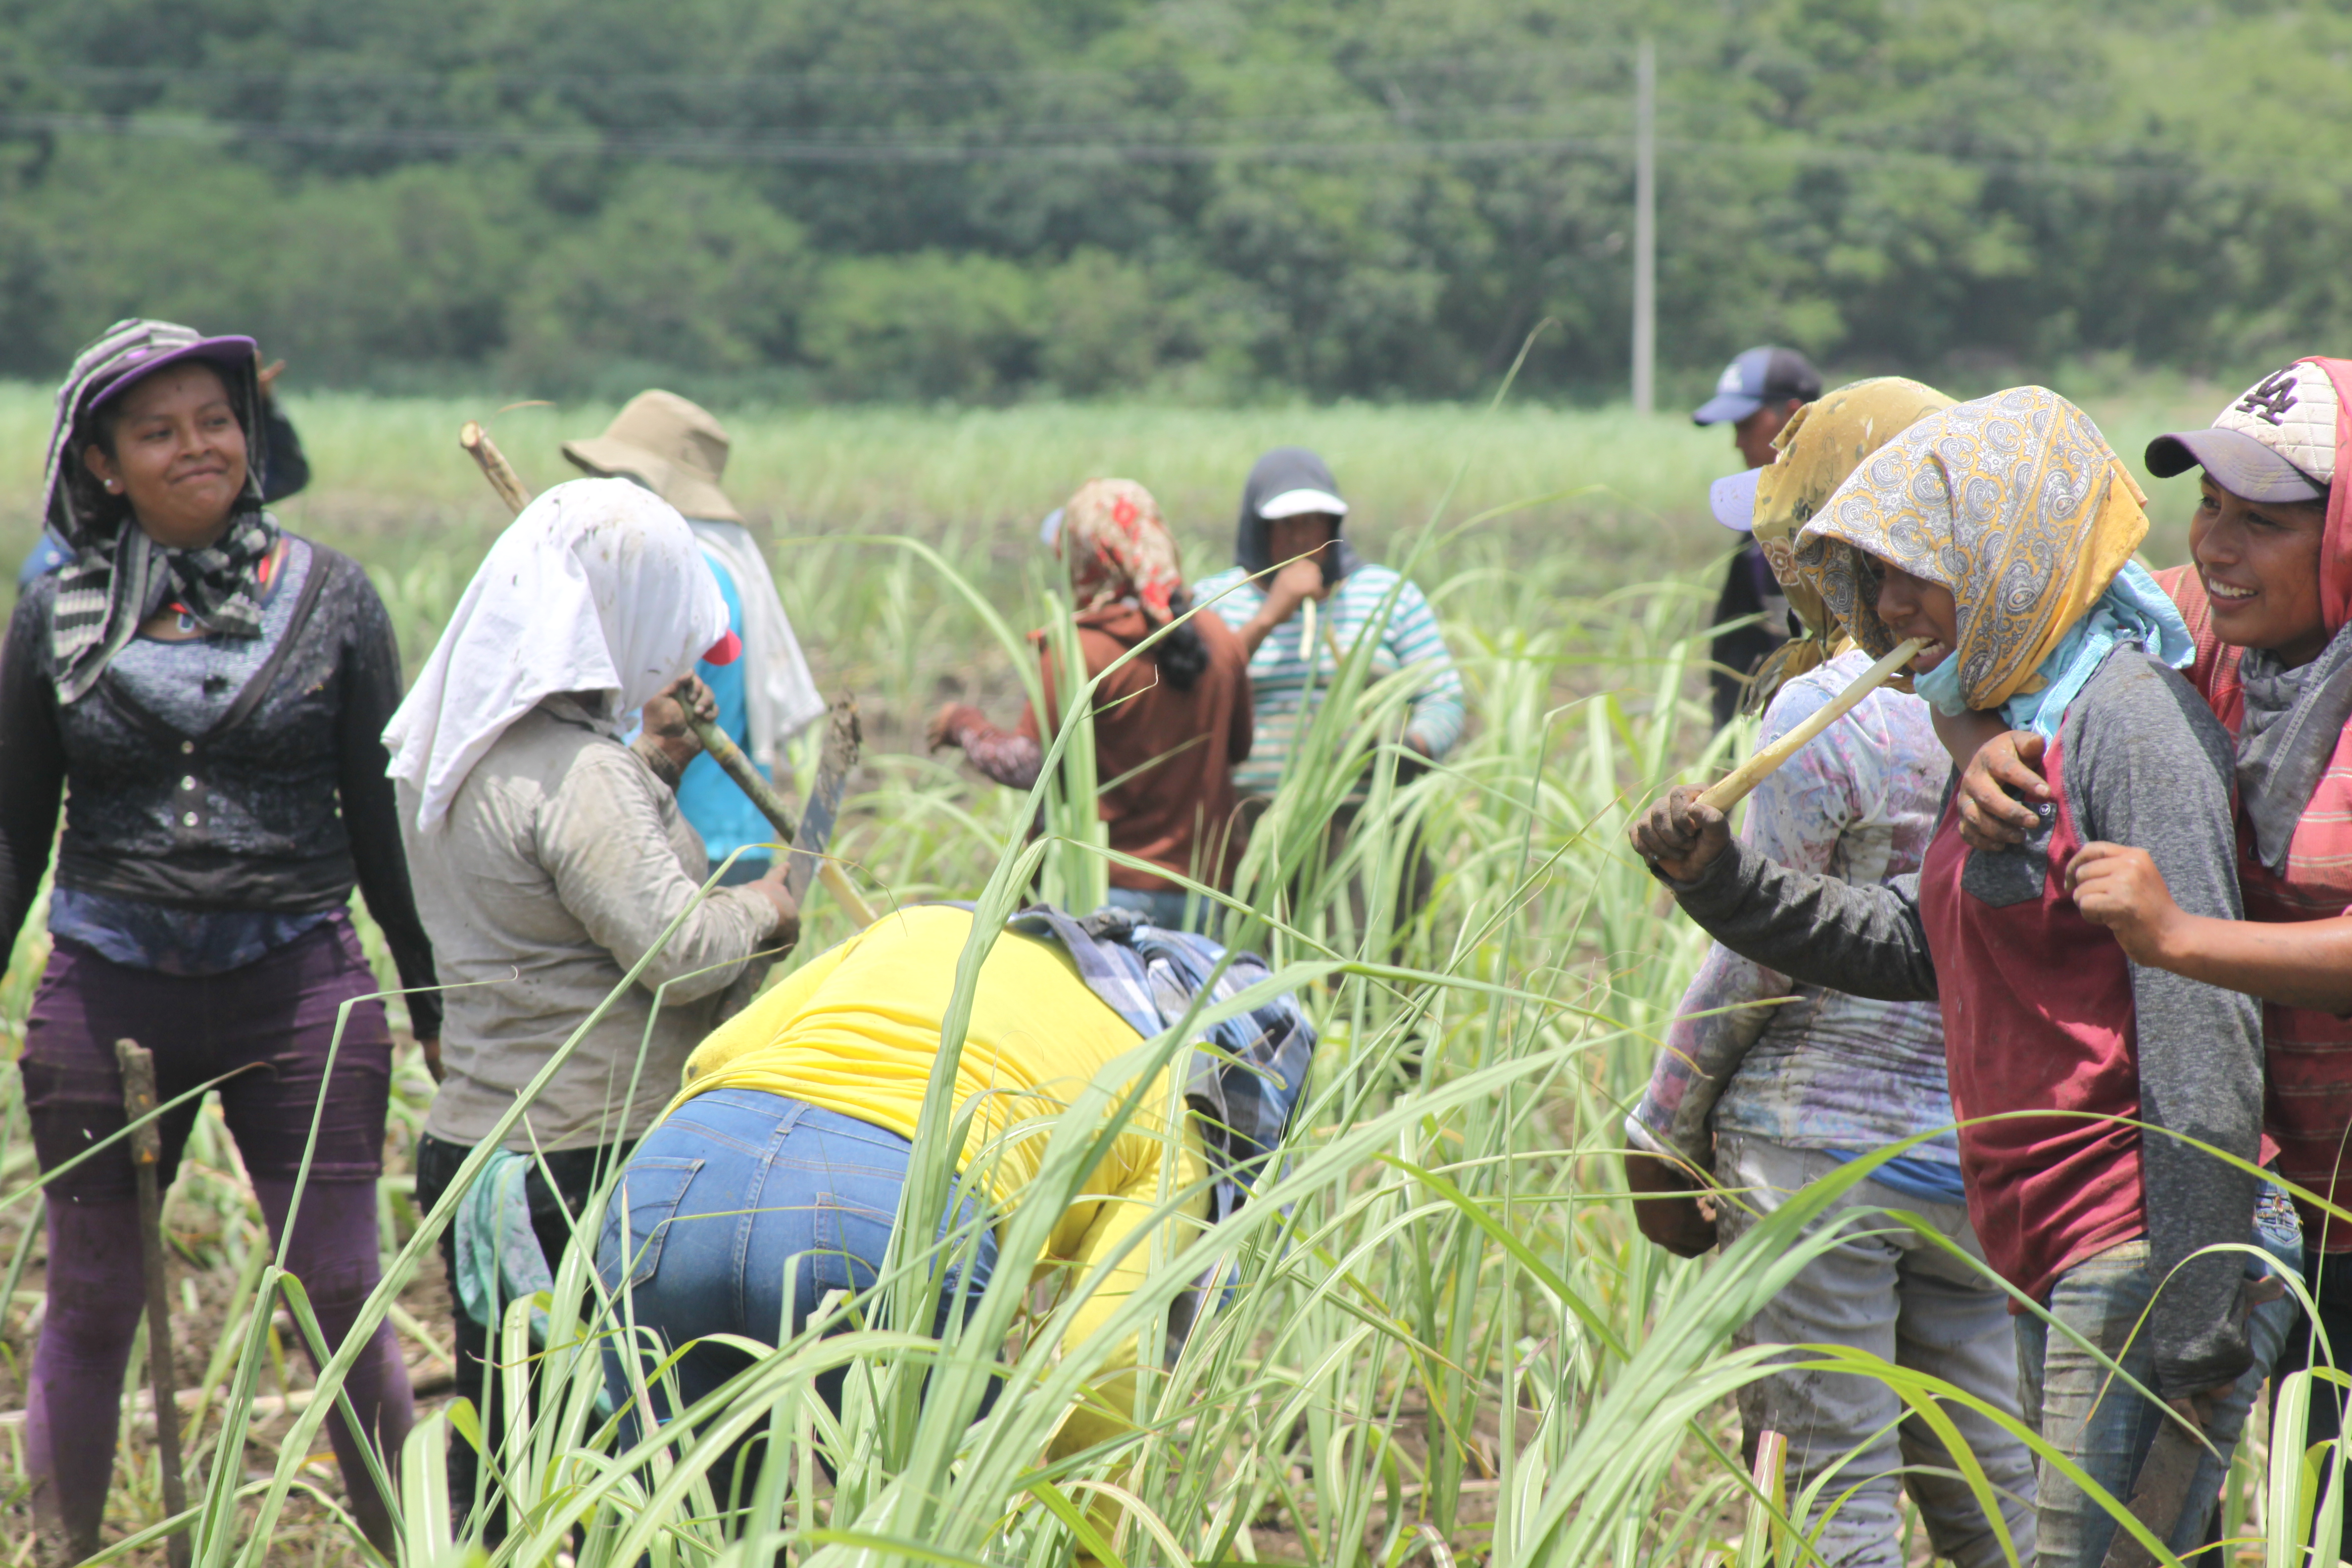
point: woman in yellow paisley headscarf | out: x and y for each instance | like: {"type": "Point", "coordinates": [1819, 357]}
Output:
{"type": "Point", "coordinates": [1772, 1086]}
{"type": "Point", "coordinates": [1822, 443]}
{"type": "Point", "coordinates": [2017, 505]}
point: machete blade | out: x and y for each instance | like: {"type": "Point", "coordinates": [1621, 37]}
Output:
{"type": "Point", "coordinates": [833, 766]}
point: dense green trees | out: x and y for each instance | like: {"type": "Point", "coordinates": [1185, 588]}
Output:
{"type": "Point", "coordinates": [1214, 198]}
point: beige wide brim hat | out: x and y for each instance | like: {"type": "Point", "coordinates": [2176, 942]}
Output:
{"type": "Point", "coordinates": [674, 448]}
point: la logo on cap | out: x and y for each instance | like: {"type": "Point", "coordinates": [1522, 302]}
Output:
{"type": "Point", "coordinates": [2292, 411]}
{"type": "Point", "coordinates": [2270, 398]}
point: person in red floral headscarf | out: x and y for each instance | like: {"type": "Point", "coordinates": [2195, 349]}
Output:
{"type": "Point", "coordinates": [1170, 723]}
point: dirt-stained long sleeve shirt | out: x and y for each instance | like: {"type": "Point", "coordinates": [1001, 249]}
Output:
{"type": "Point", "coordinates": [1812, 1067]}
{"type": "Point", "coordinates": [559, 864]}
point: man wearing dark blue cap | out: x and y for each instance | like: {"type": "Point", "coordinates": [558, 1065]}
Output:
{"type": "Point", "coordinates": [1755, 396]}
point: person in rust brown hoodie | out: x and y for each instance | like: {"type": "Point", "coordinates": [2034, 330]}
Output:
{"type": "Point", "coordinates": [1170, 723]}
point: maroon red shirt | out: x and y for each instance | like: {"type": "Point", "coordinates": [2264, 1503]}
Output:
{"type": "Point", "coordinates": [1175, 749]}
{"type": "Point", "coordinates": [2038, 1015]}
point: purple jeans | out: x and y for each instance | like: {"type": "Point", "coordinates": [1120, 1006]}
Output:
{"type": "Point", "coordinates": [272, 1024]}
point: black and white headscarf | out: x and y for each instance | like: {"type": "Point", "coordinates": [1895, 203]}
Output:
{"type": "Point", "coordinates": [119, 576]}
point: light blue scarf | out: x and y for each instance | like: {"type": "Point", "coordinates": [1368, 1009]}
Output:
{"type": "Point", "coordinates": [2133, 609]}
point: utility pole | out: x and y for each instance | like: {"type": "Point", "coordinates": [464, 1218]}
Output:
{"type": "Point", "coordinates": [1645, 227]}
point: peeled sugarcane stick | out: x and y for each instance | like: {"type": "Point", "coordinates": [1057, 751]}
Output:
{"type": "Point", "coordinates": [1307, 635]}
{"type": "Point", "coordinates": [720, 746]}
{"type": "Point", "coordinates": [1733, 787]}
{"type": "Point", "coordinates": [494, 466]}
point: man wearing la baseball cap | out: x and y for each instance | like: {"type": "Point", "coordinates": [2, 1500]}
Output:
{"type": "Point", "coordinates": [1755, 396]}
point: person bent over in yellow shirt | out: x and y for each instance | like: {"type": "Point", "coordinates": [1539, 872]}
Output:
{"type": "Point", "coordinates": [775, 1177]}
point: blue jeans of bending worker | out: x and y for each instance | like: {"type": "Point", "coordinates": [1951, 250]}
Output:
{"type": "Point", "coordinates": [2080, 1409]}
{"type": "Point", "coordinates": [744, 1209]}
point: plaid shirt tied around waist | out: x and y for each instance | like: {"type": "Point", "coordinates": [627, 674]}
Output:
{"type": "Point", "coordinates": [1246, 1077]}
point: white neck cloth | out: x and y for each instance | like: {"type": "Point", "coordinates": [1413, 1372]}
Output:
{"type": "Point", "coordinates": [597, 586]}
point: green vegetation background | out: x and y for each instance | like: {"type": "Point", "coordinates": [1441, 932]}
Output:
{"type": "Point", "coordinates": [1206, 201]}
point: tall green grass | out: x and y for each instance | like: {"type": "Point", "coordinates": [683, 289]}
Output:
{"type": "Point", "coordinates": [1445, 1343]}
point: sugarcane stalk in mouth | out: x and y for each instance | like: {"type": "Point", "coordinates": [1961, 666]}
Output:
{"type": "Point", "coordinates": [1734, 786]}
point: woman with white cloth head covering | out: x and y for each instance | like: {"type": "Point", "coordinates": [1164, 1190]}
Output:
{"type": "Point", "coordinates": [679, 450]}
{"type": "Point", "coordinates": [551, 855]}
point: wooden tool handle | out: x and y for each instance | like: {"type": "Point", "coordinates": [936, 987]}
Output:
{"type": "Point", "coordinates": [739, 767]}
{"type": "Point", "coordinates": [138, 1065]}
{"type": "Point", "coordinates": [494, 466]}
{"type": "Point", "coordinates": [1734, 786]}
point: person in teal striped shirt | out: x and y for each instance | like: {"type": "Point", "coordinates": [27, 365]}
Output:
{"type": "Point", "coordinates": [1291, 514]}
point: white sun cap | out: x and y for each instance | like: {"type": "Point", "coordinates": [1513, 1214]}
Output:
{"type": "Point", "coordinates": [1302, 503]}
{"type": "Point", "coordinates": [1732, 499]}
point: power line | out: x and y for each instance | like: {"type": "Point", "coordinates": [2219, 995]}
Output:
{"type": "Point", "coordinates": [883, 146]}
{"type": "Point", "coordinates": [780, 150]}
{"type": "Point", "coordinates": [655, 81]}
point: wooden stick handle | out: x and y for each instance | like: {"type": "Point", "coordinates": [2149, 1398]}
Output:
{"type": "Point", "coordinates": [1733, 787]}
{"type": "Point", "coordinates": [494, 466]}
{"type": "Point", "coordinates": [138, 1066]}
{"type": "Point", "coordinates": [739, 767]}
{"type": "Point", "coordinates": [138, 1098]}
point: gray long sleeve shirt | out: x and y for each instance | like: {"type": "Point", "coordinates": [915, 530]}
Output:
{"type": "Point", "coordinates": [559, 864]}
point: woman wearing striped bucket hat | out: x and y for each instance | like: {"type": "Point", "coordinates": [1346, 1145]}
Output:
{"type": "Point", "coordinates": [210, 689]}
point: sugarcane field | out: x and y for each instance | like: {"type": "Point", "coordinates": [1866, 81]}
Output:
{"type": "Point", "coordinates": [969, 785]}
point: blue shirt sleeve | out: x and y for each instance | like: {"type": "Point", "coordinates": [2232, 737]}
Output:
{"type": "Point", "coordinates": [721, 812]}
{"type": "Point", "coordinates": [725, 680]}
